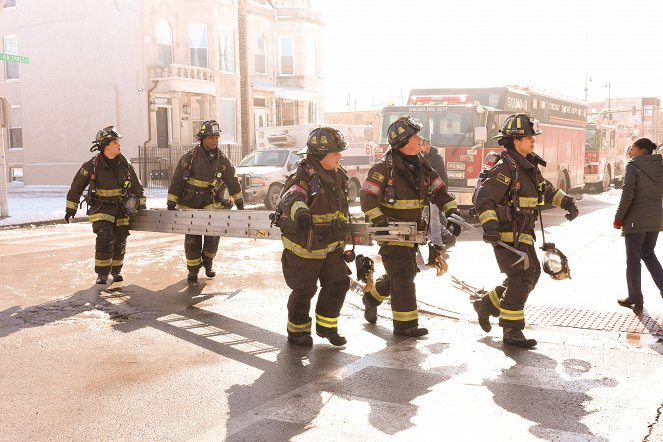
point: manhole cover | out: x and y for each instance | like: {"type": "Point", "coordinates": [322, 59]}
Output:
{"type": "Point", "coordinates": [594, 320]}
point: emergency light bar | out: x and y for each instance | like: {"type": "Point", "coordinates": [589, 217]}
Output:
{"type": "Point", "coordinates": [439, 99]}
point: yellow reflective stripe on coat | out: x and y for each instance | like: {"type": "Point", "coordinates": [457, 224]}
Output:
{"type": "Point", "coordinates": [512, 315]}
{"type": "Point", "coordinates": [214, 206]}
{"type": "Point", "coordinates": [404, 204]}
{"type": "Point", "coordinates": [295, 206]}
{"type": "Point", "coordinates": [523, 238]}
{"type": "Point", "coordinates": [526, 201]}
{"type": "Point", "coordinates": [405, 316]}
{"type": "Point", "coordinates": [302, 252]}
{"type": "Point", "coordinates": [194, 262]}
{"type": "Point", "coordinates": [558, 198]}
{"type": "Point", "coordinates": [450, 205]}
{"type": "Point", "coordinates": [101, 217]}
{"type": "Point", "coordinates": [103, 262]}
{"type": "Point", "coordinates": [121, 221]}
{"type": "Point", "coordinates": [326, 322]}
{"type": "Point", "coordinates": [198, 183]}
{"type": "Point", "coordinates": [373, 213]}
{"type": "Point", "coordinates": [375, 294]}
{"type": "Point", "coordinates": [329, 217]}
{"type": "Point", "coordinates": [488, 215]}
{"type": "Point", "coordinates": [494, 299]}
{"type": "Point", "coordinates": [72, 205]}
{"type": "Point", "coordinates": [237, 196]}
{"type": "Point", "coordinates": [173, 198]}
{"type": "Point", "coordinates": [109, 192]}
{"type": "Point", "coordinates": [299, 328]}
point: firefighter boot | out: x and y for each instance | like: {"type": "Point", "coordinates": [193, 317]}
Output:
{"type": "Point", "coordinates": [303, 339]}
{"type": "Point", "coordinates": [117, 277]}
{"type": "Point", "coordinates": [370, 311]}
{"type": "Point", "coordinates": [192, 277]}
{"type": "Point", "coordinates": [102, 278]}
{"type": "Point", "coordinates": [333, 337]}
{"type": "Point", "coordinates": [482, 314]}
{"type": "Point", "coordinates": [413, 332]}
{"type": "Point", "coordinates": [208, 269]}
{"type": "Point", "coordinates": [516, 337]}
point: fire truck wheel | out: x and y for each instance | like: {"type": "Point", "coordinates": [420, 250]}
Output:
{"type": "Point", "coordinates": [273, 194]}
{"type": "Point", "coordinates": [353, 190]}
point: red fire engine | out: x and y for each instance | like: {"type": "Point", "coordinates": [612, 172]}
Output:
{"type": "Point", "coordinates": [605, 155]}
{"type": "Point", "coordinates": [462, 122]}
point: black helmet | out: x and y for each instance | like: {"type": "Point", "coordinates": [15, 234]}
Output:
{"type": "Point", "coordinates": [518, 126]}
{"type": "Point", "coordinates": [105, 136]}
{"type": "Point", "coordinates": [401, 130]}
{"type": "Point", "coordinates": [324, 140]}
{"type": "Point", "coordinates": [208, 128]}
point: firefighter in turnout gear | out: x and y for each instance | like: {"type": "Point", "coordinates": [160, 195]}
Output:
{"type": "Point", "coordinates": [397, 189]}
{"type": "Point", "coordinates": [113, 194]}
{"type": "Point", "coordinates": [508, 204]}
{"type": "Point", "coordinates": [313, 205]}
{"type": "Point", "coordinates": [200, 181]}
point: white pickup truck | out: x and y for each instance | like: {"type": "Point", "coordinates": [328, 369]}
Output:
{"type": "Point", "coordinates": [263, 172]}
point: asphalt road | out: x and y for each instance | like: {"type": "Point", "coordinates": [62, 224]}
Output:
{"type": "Point", "coordinates": [155, 359]}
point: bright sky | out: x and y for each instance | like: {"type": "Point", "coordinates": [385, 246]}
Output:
{"type": "Point", "coordinates": [375, 51]}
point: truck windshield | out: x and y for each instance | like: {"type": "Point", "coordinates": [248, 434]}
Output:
{"type": "Point", "coordinates": [275, 158]}
{"type": "Point", "coordinates": [590, 139]}
{"type": "Point", "coordinates": [442, 125]}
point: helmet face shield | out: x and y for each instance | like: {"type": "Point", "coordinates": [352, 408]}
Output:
{"type": "Point", "coordinates": [555, 262]}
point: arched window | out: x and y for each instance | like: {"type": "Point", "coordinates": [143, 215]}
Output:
{"type": "Point", "coordinates": [165, 42]}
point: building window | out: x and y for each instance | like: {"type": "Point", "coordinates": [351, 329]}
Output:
{"type": "Point", "coordinates": [199, 113]}
{"type": "Point", "coordinates": [261, 55]}
{"type": "Point", "coordinates": [287, 56]}
{"type": "Point", "coordinates": [227, 120]}
{"type": "Point", "coordinates": [226, 50]}
{"type": "Point", "coordinates": [16, 129]}
{"type": "Point", "coordinates": [10, 4]}
{"type": "Point", "coordinates": [164, 42]}
{"type": "Point", "coordinates": [312, 59]}
{"type": "Point", "coordinates": [198, 45]}
{"type": "Point", "coordinates": [16, 174]}
{"type": "Point", "coordinates": [10, 44]}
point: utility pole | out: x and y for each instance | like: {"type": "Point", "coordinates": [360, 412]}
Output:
{"type": "Point", "coordinates": [5, 114]}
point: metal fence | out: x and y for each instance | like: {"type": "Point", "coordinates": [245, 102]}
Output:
{"type": "Point", "coordinates": [155, 165]}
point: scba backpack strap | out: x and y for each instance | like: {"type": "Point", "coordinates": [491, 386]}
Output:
{"type": "Point", "coordinates": [489, 163]}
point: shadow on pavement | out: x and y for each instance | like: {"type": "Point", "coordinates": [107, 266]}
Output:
{"type": "Point", "coordinates": [559, 406]}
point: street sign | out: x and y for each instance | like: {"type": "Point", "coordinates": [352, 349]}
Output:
{"type": "Point", "coordinates": [14, 58]}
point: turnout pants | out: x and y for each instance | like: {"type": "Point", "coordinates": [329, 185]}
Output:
{"type": "Point", "coordinates": [200, 251]}
{"type": "Point", "coordinates": [302, 275]}
{"type": "Point", "coordinates": [110, 247]}
{"type": "Point", "coordinates": [401, 267]}
{"type": "Point", "coordinates": [508, 299]}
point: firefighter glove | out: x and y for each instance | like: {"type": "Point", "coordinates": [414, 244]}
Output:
{"type": "Point", "coordinates": [304, 220]}
{"type": "Point", "coordinates": [572, 209]}
{"type": "Point", "coordinates": [171, 206]}
{"type": "Point", "coordinates": [68, 215]}
{"type": "Point", "coordinates": [491, 238]}
{"type": "Point", "coordinates": [240, 204]}
{"type": "Point", "coordinates": [453, 228]}
{"type": "Point", "coordinates": [618, 223]}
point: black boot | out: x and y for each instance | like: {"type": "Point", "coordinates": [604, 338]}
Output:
{"type": "Point", "coordinates": [413, 332]}
{"type": "Point", "coordinates": [192, 277]}
{"type": "Point", "coordinates": [433, 252]}
{"type": "Point", "coordinates": [303, 339]}
{"type": "Point", "coordinates": [333, 337]}
{"type": "Point", "coordinates": [517, 338]}
{"type": "Point", "coordinates": [208, 270]}
{"type": "Point", "coordinates": [117, 277]}
{"type": "Point", "coordinates": [482, 314]}
{"type": "Point", "coordinates": [102, 279]}
{"type": "Point", "coordinates": [370, 311]}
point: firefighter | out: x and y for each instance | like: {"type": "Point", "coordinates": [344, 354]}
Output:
{"type": "Point", "coordinates": [397, 189]}
{"type": "Point", "coordinates": [312, 207]}
{"type": "Point", "coordinates": [508, 203]}
{"type": "Point", "coordinates": [113, 194]}
{"type": "Point", "coordinates": [199, 182]}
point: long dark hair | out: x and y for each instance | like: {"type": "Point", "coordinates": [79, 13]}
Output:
{"type": "Point", "coordinates": [646, 144]}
